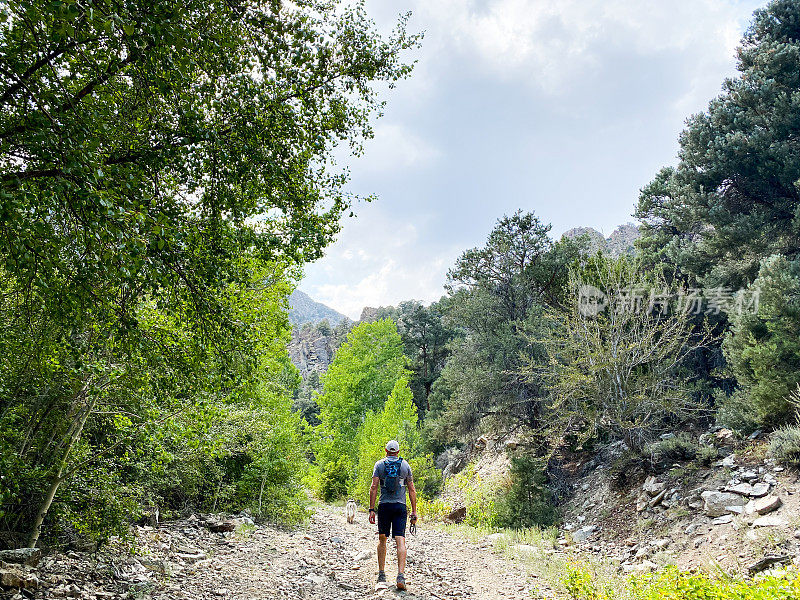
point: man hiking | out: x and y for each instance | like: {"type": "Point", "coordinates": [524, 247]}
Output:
{"type": "Point", "coordinates": [393, 475]}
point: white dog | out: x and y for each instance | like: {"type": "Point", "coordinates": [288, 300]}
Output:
{"type": "Point", "coordinates": [350, 511]}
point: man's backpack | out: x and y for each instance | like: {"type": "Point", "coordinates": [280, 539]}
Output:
{"type": "Point", "coordinates": [391, 477]}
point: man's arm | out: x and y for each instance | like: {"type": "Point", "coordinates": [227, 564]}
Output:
{"type": "Point", "coordinates": [373, 491]}
{"type": "Point", "coordinates": [373, 494]}
{"type": "Point", "coordinates": [412, 494]}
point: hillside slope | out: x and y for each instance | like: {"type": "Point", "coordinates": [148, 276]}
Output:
{"type": "Point", "coordinates": [305, 310]}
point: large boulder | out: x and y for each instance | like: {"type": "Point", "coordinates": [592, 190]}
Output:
{"type": "Point", "coordinates": [716, 503]}
{"type": "Point", "coordinates": [22, 556]}
{"type": "Point", "coordinates": [12, 577]}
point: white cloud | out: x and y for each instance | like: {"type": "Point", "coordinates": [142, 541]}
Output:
{"type": "Point", "coordinates": [395, 148]}
{"type": "Point", "coordinates": [394, 264]}
{"type": "Point", "coordinates": [554, 46]}
{"type": "Point", "coordinates": [566, 107]}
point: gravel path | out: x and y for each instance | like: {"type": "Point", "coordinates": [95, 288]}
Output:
{"type": "Point", "coordinates": [333, 560]}
{"type": "Point", "coordinates": [327, 560]}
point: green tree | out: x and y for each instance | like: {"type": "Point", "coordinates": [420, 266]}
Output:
{"type": "Point", "coordinates": [397, 420]}
{"type": "Point", "coordinates": [152, 157]}
{"type": "Point", "coordinates": [733, 197]}
{"type": "Point", "coordinates": [615, 360]}
{"type": "Point", "coordinates": [425, 338]}
{"type": "Point", "coordinates": [763, 348]}
{"type": "Point", "coordinates": [529, 501]}
{"type": "Point", "coordinates": [495, 294]}
{"type": "Point", "coordinates": [362, 375]}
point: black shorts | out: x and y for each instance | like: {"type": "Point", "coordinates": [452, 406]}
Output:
{"type": "Point", "coordinates": [392, 519]}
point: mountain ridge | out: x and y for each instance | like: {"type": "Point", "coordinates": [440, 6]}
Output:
{"type": "Point", "coordinates": [304, 309]}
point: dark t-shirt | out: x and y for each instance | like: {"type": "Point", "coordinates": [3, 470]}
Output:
{"type": "Point", "coordinates": [399, 495]}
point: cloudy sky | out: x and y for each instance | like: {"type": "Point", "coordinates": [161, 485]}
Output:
{"type": "Point", "coordinates": [565, 108]}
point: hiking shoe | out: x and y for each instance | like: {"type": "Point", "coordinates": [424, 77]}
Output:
{"type": "Point", "coordinates": [401, 581]}
{"type": "Point", "coordinates": [381, 577]}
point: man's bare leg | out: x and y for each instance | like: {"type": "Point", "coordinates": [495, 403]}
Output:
{"type": "Point", "coordinates": [401, 554]}
{"type": "Point", "coordinates": [382, 553]}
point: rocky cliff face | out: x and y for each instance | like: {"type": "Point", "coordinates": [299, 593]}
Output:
{"type": "Point", "coordinates": [310, 350]}
{"type": "Point", "coordinates": [369, 314]}
{"type": "Point", "coordinates": [619, 243]}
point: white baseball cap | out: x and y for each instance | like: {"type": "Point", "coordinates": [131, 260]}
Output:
{"type": "Point", "coordinates": [392, 446]}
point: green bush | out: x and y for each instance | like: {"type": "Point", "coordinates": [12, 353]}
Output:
{"type": "Point", "coordinates": [482, 496]}
{"type": "Point", "coordinates": [707, 455]}
{"type": "Point", "coordinates": [334, 479]}
{"type": "Point", "coordinates": [529, 501]}
{"type": "Point", "coordinates": [784, 446]}
{"type": "Point", "coordinates": [672, 584]}
{"type": "Point", "coordinates": [627, 468]}
{"type": "Point", "coordinates": [736, 411]}
{"type": "Point", "coordinates": [678, 448]}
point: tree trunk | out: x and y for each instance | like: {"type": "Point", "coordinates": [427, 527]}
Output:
{"type": "Point", "coordinates": [58, 477]}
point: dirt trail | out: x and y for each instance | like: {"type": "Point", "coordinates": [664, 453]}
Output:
{"type": "Point", "coordinates": [333, 560]}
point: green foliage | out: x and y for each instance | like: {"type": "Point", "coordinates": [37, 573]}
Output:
{"type": "Point", "coordinates": [732, 199]}
{"type": "Point", "coordinates": [427, 478]}
{"type": "Point", "coordinates": [627, 469]}
{"type": "Point", "coordinates": [366, 401]}
{"type": "Point", "coordinates": [763, 348]}
{"type": "Point", "coordinates": [616, 367]}
{"type": "Point", "coordinates": [305, 402]}
{"type": "Point", "coordinates": [581, 585]}
{"type": "Point", "coordinates": [496, 292]}
{"type": "Point", "coordinates": [784, 446]}
{"type": "Point", "coordinates": [361, 376]}
{"type": "Point", "coordinates": [482, 496]}
{"type": "Point", "coordinates": [425, 338]}
{"type": "Point", "coordinates": [396, 420]}
{"type": "Point", "coordinates": [674, 449]}
{"type": "Point", "coordinates": [529, 501]}
{"type": "Point", "coordinates": [334, 479]}
{"type": "Point", "coordinates": [673, 584]}
{"type": "Point", "coordinates": [155, 427]}
{"type": "Point", "coordinates": [707, 455]}
{"type": "Point", "coordinates": [163, 176]}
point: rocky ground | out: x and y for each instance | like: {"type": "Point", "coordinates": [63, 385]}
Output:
{"type": "Point", "coordinates": [328, 559]}
{"type": "Point", "coordinates": [732, 513]}
{"type": "Point", "coordinates": [739, 511]}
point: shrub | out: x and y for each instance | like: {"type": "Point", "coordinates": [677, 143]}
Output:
{"type": "Point", "coordinates": [672, 584]}
{"type": "Point", "coordinates": [529, 500]}
{"type": "Point", "coordinates": [334, 479]}
{"type": "Point", "coordinates": [435, 510]}
{"type": "Point", "coordinates": [627, 469]}
{"type": "Point", "coordinates": [582, 585]}
{"type": "Point", "coordinates": [617, 370]}
{"type": "Point", "coordinates": [707, 455]}
{"type": "Point", "coordinates": [736, 411]}
{"type": "Point", "coordinates": [481, 495]}
{"type": "Point", "coordinates": [678, 448]}
{"type": "Point", "coordinates": [784, 446]}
